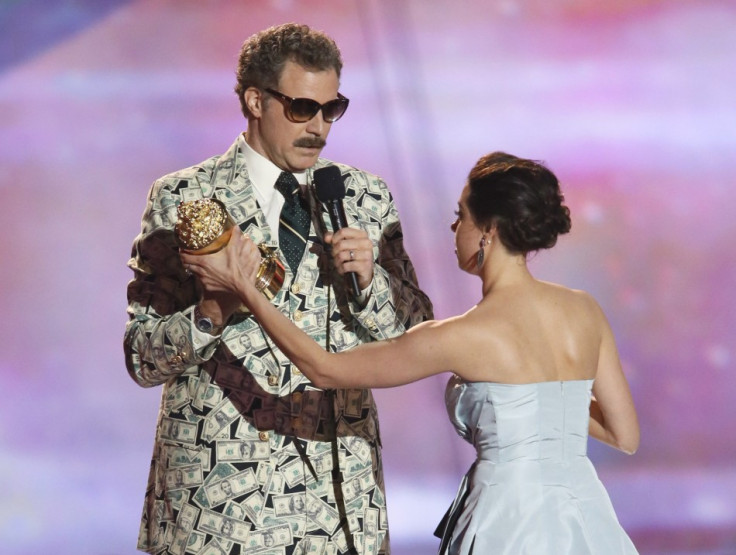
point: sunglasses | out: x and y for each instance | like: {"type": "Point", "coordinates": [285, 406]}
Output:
{"type": "Point", "coordinates": [301, 110]}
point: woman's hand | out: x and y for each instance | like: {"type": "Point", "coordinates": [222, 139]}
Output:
{"type": "Point", "coordinates": [230, 270]}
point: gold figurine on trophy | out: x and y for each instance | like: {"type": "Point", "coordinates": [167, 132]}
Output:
{"type": "Point", "coordinates": [203, 227]}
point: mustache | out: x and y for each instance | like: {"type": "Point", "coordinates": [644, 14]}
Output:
{"type": "Point", "coordinates": [310, 142]}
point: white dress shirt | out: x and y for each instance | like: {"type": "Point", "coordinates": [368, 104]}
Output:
{"type": "Point", "coordinates": [263, 175]}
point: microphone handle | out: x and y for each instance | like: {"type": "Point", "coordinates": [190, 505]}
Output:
{"type": "Point", "coordinates": [338, 219]}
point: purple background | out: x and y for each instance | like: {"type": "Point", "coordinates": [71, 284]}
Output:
{"type": "Point", "coordinates": [631, 103]}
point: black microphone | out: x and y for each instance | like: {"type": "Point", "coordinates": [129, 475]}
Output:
{"type": "Point", "coordinates": [330, 191]}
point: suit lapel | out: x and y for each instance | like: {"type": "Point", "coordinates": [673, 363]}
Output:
{"type": "Point", "coordinates": [233, 187]}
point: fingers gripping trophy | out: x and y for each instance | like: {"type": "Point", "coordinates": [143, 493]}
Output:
{"type": "Point", "coordinates": [204, 227]}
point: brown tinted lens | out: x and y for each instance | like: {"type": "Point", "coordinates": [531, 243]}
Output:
{"type": "Point", "coordinates": [334, 109]}
{"type": "Point", "coordinates": [303, 109]}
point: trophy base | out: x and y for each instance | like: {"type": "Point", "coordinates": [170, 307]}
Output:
{"type": "Point", "coordinates": [270, 276]}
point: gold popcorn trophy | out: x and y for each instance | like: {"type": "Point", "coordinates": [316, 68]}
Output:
{"type": "Point", "coordinates": [203, 227]}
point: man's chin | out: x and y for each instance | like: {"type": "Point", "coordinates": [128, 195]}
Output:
{"type": "Point", "coordinates": [307, 158]}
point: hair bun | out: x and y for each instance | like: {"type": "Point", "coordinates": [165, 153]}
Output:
{"type": "Point", "coordinates": [522, 198]}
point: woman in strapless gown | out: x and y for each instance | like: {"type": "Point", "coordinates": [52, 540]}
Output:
{"type": "Point", "coordinates": [535, 370]}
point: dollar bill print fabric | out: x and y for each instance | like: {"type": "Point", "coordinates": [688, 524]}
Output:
{"type": "Point", "coordinates": [246, 447]}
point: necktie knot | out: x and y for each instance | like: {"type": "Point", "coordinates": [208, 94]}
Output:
{"type": "Point", "coordinates": [287, 185]}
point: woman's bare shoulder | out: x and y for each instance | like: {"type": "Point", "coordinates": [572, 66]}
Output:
{"type": "Point", "coordinates": [575, 297]}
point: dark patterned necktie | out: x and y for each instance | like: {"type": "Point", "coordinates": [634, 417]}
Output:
{"type": "Point", "coordinates": [293, 221]}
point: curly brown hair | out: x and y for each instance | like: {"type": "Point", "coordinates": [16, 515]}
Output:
{"type": "Point", "coordinates": [263, 55]}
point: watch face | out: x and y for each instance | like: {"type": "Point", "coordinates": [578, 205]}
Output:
{"type": "Point", "coordinates": [204, 324]}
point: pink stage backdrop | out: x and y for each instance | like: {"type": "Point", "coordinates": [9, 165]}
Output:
{"type": "Point", "coordinates": [632, 104]}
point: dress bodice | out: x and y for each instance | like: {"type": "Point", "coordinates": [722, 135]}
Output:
{"type": "Point", "coordinates": [542, 421]}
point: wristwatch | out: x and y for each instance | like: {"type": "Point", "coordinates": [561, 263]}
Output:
{"type": "Point", "coordinates": [204, 323]}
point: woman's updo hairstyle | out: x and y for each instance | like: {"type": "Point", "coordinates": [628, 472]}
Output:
{"type": "Point", "coordinates": [521, 197]}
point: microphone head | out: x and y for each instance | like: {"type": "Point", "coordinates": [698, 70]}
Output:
{"type": "Point", "coordinates": [328, 184]}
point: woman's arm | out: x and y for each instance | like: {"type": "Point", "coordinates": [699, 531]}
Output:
{"type": "Point", "coordinates": [417, 354]}
{"type": "Point", "coordinates": [423, 351]}
{"type": "Point", "coordinates": [613, 417]}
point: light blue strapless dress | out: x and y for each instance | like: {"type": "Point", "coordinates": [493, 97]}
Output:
{"type": "Point", "coordinates": [532, 489]}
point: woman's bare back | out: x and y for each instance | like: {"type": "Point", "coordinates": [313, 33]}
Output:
{"type": "Point", "coordinates": [533, 332]}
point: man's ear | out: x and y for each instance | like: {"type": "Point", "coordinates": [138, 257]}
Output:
{"type": "Point", "coordinates": [254, 101]}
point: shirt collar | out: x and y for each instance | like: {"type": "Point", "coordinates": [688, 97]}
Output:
{"type": "Point", "coordinates": [262, 172]}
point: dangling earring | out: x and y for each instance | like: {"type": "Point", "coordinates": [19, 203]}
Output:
{"type": "Point", "coordinates": [481, 252]}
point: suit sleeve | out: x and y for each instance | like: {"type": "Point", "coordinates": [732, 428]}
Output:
{"type": "Point", "coordinates": [160, 341]}
{"type": "Point", "coordinates": [395, 302]}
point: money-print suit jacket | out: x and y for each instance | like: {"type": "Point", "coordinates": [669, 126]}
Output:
{"type": "Point", "coordinates": [246, 447]}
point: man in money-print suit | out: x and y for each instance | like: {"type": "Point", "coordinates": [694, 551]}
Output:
{"type": "Point", "coordinates": [249, 457]}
